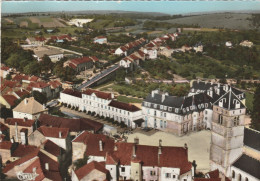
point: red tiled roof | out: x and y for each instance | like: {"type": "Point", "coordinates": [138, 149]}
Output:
{"type": "Point", "coordinates": [11, 84]}
{"type": "Point", "coordinates": [40, 39]}
{"type": "Point", "coordinates": [207, 179]}
{"type": "Point", "coordinates": [5, 145]}
{"type": "Point", "coordinates": [34, 78]}
{"type": "Point", "coordinates": [62, 37]}
{"type": "Point", "coordinates": [22, 92]}
{"type": "Point", "coordinates": [94, 58]}
{"type": "Point", "coordinates": [19, 77]}
{"type": "Point", "coordinates": [72, 92]}
{"type": "Point", "coordinates": [53, 175]}
{"type": "Point", "coordinates": [72, 65]}
{"type": "Point", "coordinates": [54, 37]}
{"type": "Point", "coordinates": [93, 140]}
{"type": "Point", "coordinates": [54, 132]}
{"type": "Point", "coordinates": [150, 45]}
{"type": "Point", "coordinates": [3, 127]}
{"type": "Point", "coordinates": [214, 174]}
{"type": "Point", "coordinates": [134, 57]}
{"type": "Point", "coordinates": [20, 161]}
{"type": "Point", "coordinates": [10, 99]}
{"type": "Point", "coordinates": [99, 94]}
{"type": "Point", "coordinates": [123, 48]}
{"type": "Point", "coordinates": [124, 106]}
{"type": "Point", "coordinates": [20, 122]}
{"type": "Point", "coordinates": [51, 147]}
{"type": "Point", "coordinates": [78, 61]}
{"type": "Point", "coordinates": [141, 53]}
{"type": "Point", "coordinates": [111, 159]}
{"type": "Point", "coordinates": [36, 164]}
{"type": "Point", "coordinates": [4, 68]}
{"type": "Point", "coordinates": [99, 37]}
{"type": "Point", "coordinates": [23, 150]}
{"type": "Point", "coordinates": [54, 84]}
{"type": "Point", "coordinates": [38, 84]}
{"type": "Point", "coordinates": [86, 169]}
{"type": "Point", "coordinates": [74, 125]}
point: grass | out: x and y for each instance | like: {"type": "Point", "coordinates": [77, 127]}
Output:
{"type": "Point", "coordinates": [249, 101]}
{"type": "Point", "coordinates": [128, 99]}
{"type": "Point", "coordinates": [45, 19]}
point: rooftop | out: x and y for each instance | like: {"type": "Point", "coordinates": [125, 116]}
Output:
{"type": "Point", "coordinates": [30, 106]}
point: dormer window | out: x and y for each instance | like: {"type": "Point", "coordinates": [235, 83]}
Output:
{"type": "Point", "coordinates": [199, 106]}
{"type": "Point", "coordinates": [161, 107]}
{"type": "Point", "coordinates": [155, 106]}
{"type": "Point", "coordinates": [169, 109]}
{"type": "Point", "coordinates": [206, 105]}
{"type": "Point", "coordinates": [202, 106]}
{"type": "Point", "coordinates": [187, 109]}
{"type": "Point", "coordinates": [165, 108]}
{"type": "Point", "coordinates": [191, 107]}
{"type": "Point", "coordinates": [176, 110]}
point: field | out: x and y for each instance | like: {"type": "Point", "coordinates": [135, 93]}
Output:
{"type": "Point", "coordinates": [221, 20]}
{"type": "Point", "coordinates": [128, 99]}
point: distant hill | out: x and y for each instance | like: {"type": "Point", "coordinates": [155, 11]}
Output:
{"type": "Point", "coordinates": [217, 20]}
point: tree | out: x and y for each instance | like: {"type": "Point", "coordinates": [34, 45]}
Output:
{"type": "Point", "coordinates": [255, 115]}
{"type": "Point", "coordinates": [32, 68]}
{"type": "Point", "coordinates": [40, 97]}
{"type": "Point", "coordinates": [81, 162]}
{"type": "Point", "coordinates": [8, 76]}
{"type": "Point", "coordinates": [46, 64]}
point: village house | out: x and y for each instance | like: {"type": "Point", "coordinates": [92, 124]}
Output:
{"type": "Point", "coordinates": [127, 161]}
{"type": "Point", "coordinates": [20, 150]}
{"type": "Point", "coordinates": [80, 64]}
{"type": "Point", "coordinates": [37, 162]}
{"type": "Point", "coordinates": [75, 126]}
{"type": "Point", "coordinates": [38, 41]}
{"type": "Point", "coordinates": [59, 136]}
{"type": "Point", "coordinates": [56, 88]}
{"type": "Point", "coordinates": [198, 47]}
{"type": "Point", "coordinates": [130, 47]}
{"type": "Point", "coordinates": [100, 40]}
{"type": "Point", "coordinates": [19, 94]}
{"type": "Point", "coordinates": [92, 171]}
{"type": "Point", "coordinates": [166, 51]}
{"type": "Point", "coordinates": [228, 44]}
{"type": "Point", "coordinates": [71, 97]}
{"type": "Point", "coordinates": [25, 79]}
{"type": "Point", "coordinates": [8, 100]}
{"type": "Point", "coordinates": [5, 151]}
{"type": "Point", "coordinates": [19, 129]}
{"type": "Point", "coordinates": [7, 86]}
{"type": "Point", "coordinates": [4, 71]}
{"type": "Point", "coordinates": [42, 87]}
{"type": "Point", "coordinates": [29, 108]}
{"type": "Point", "coordinates": [61, 38]}
{"type": "Point", "coordinates": [54, 54]}
{"type": "Point", "coordinates": [246, 43]}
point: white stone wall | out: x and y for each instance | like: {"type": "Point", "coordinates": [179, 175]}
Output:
{"type": "Point", "coordinates": [127, 173]}
{"type": "Point", "coordinates": [61, 142]}
{"type": "Point", "coordinates": [113, 171]}
{"type": "Point", "coordinates": [71, 100]}
{"type": "Point", "coordinates": [56, 58]}
{"type": "Point", "coordinates": [171, 173]}
{"type": "Point", "coordinates": [188, 176]}
{"type": "Point", "coordinates": [96, 158]}
{"type": "Point", "coordinates": [23, 115]}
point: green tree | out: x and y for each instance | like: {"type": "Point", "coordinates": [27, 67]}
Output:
{"type": "Point", "coordinates": [255, 115]}
{"type": "Point", "coordinates": [40, 97]}
{"type": "Point", "coordinates": [81, 162]}
{"type": "Point", "coordinates": [33, 68]}
{"type": "Point", "coordinates": [46, 64]}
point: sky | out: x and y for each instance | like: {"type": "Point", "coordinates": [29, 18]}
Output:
{"type": "Point", "coordinates": [168, 7]}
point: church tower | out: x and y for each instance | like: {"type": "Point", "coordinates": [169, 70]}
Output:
{"type": "Point", "coordinates": [227, 132]}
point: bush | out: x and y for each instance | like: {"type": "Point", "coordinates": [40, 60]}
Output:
{"type": "Point", "coordinates": [73, 107]}
{"type": "Point", "coordinates": [102, 117]}
{"type": "Point", "coordinates": [89, 112]}
{"type": "Point", "coordinates": [84, 111]}
{"type": "Point", "coordinates": [69, 106]}
{"type": "Point", "coordinates": [65, 104]}
{"type": "Point", "coordinates": [77, 108]}
{"type": "Point", "coordinates": [93, 114]}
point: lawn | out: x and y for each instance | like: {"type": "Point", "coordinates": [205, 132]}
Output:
{"type": "Point", "coordinates": [249, 101]}
{"type": "Point", "coordinates": [128, 99]}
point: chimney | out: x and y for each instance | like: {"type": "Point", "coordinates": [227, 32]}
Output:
{"type": "Point", "coordinates": [12, 140]}
{"type": "Point", "coordinates": [25, 119]}
{"type": "Point", "coordinates": [112, 95]}
{"type": "Point", "coordinates": [163, 97]}
{"type": "Point", "coordinates": [46, 166]}
{"type": "Point", "coordinates": [160, 147]}
{"type": "Point", "coordinates": [100, 145]}
{"type": "Point", "coordinates": [16, 132]}
{"type": "Point", "coordinates": [59, 134]}
{"type": "Point", "coordinates": [115, 148]}
{"type": "Point", "coordinates": [185, 146]}
{"type": "Point", "coordinates": [136, 141]}
{"type": "Point", "coordinates": [25, 101]}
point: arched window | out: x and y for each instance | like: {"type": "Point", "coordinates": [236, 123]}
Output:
{"type": "Point", "coordinates": [239, 177]}
{"type": "Point", "coordinates": [246, 179]}
{"type": "Point", "coordinates": [220, 119]}
{"type": "Point", "coordinates": [233, 174]}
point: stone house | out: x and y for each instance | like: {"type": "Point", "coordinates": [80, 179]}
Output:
{"type": "Point", "coordinates": [59, 136]}
{"type": "Point", "coordinates": [92, 171]}
{"type": "Point", "coordinates": [29, 108]}
{"type": "Point", "coordinates": [80, 64]}
{"type": "Point", "coordinates": [20, 128]}
{"type": "Point", "coordinates": [41, 87]}
{"type": "Point", "coordinates": [8, 100]}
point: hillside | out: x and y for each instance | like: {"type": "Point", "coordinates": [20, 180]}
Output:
{"type": "Point", "coordinates": [218, 20]}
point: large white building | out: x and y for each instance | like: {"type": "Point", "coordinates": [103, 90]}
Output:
{"type": "Point", "coordinates": [102, 104]}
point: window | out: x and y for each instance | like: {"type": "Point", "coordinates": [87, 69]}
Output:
{"type": "Point", "coordinates": [236, 121]}
{"type": "Point", "coordinates": [239, 177]}
{"type": "Point", "coordinates": [233, 174]}
{"type": "Point", "coordinates": [246, 179]}
{"type": "Point", "coordinates": [165, 124]}
{"type": "Point", "coordinates": [206, 118]}
{"type": "Point", "coordinates": [220, 119]}
{"type": "Point", "coordinates": [184, 179]}
{"type": "Point", "coordinates": [161, 124]}
{"type": "Point", "coordinates": [165, 108]}
{"type": "Point", "coordinates": [122, 169]}
{"type": "Point", "coordinates": [165, 115]}
{"type": "Point", "coordinates": [155, 106]}
{"type": "Point", "coordinates": [154, 112]}
{"type": "Point", "coordinates": [161, 107]}
{"type": "Point", "coordinates": [161, 113]}
{"type": "Point", "coordinates": [206, 112]}
{"type": "Point", "coordinates": [169, 109]}
{"type": "Point", "coordinates": [167, 175]}
{"type": "Point", "coordinates": [173, 176]}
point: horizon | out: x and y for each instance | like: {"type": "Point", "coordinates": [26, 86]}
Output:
{"type": "Point", "coordinates": [165, 7]}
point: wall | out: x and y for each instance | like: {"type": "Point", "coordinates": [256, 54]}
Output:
{"type": "Point", "coordinates": [243, 175]}
{"type": "Point", "coordinates": [5, 154]}
{"type": "Point", "coordinates": [78, 150]}
{"type": "Point", "coordinates": [113, 171]}
{"type": "Point", "coordinates": [171, 171]}
{"type": "Point", "coordinates": [61, 142]}
{"type": "Point", "coordinates": [94, 175]}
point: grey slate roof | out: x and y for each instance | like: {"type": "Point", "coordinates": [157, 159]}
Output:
{"type": "Point", "coordinates": [252, 138]}
{"type": "Point", "coordinates": [229, 100]}
{"type": "Point", "coordinates": [248, 165]}
{"type": "Point", "coordinates": [197, 102]}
